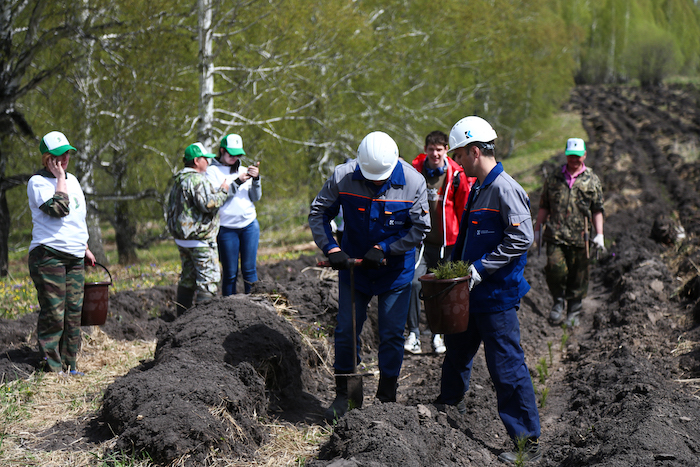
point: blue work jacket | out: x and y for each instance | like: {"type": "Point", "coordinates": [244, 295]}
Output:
{"type": "Point", "coordinates": [495, 234]}
{"type": "Point", "coordinates": [393, 215]}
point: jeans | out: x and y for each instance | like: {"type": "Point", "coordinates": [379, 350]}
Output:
{"type": "Point", "coordinates": [231, 243]}
{"type": "Point", "coordinates": [500, 333]}
{"type": "Point", "coordinates": [393, 307]}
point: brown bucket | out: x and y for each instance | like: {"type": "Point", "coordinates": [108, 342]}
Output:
{"type": "Point", "coordinates": [96, 301]}
{"type": "Point", "coordinates": [446, 303]}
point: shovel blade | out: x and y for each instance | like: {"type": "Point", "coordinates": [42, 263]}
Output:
{"type": "Point", "coordinates": [355, 394]}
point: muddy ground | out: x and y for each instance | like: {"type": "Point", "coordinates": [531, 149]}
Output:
{"type": "Point", "coordinates": [619, 390]}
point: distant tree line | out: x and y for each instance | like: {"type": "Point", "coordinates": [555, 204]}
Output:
{"type": "Point", "coordinates": [133, 82]}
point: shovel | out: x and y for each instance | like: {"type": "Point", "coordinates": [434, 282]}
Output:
{"type": "Point", "coordinates": [354, 379]}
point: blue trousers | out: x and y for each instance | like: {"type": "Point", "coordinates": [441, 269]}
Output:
{"type": "Point", "coordinates": [505, 359]}
{"type": "Point", "coordinates": [393, 308]}
{"type": "Point", "coordinates": [235, 242]}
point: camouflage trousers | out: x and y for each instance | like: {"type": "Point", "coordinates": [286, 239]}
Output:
{"type": "Point", "coordinates": [200, 269]}
{"type": "Point", "coordinates": [566, 271]}
{"type": "Point", "coordinates": [59, 279]}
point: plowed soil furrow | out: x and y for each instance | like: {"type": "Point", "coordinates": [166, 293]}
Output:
{"type": "Point", "coordinates": [625, 403]}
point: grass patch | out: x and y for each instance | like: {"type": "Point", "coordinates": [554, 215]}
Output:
{"type": "Point", "coordinates": [29, 407]}
{"type": "Point", "coordinates": [524, 164]}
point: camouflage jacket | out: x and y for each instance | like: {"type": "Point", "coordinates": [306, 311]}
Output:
{"type": "Point", "coordinates": [569, 207]}
{"type": "Point", "coordinates": [193, 207]}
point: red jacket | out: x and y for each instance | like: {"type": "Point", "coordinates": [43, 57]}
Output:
{"type": "Point", "coordinates": [453, 195]}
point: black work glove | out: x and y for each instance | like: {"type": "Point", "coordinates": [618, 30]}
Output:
{"type": "Point", "coordinates": [339, 260]}
{"type": "Point", "coordinates": [373, 258]}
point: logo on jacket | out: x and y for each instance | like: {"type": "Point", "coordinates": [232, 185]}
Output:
{"type": "Point", "coordinates": [485, 232]}
{"type": "Point", "coordinates": [433, 194]}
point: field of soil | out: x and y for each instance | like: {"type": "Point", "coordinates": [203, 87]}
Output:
{"type": "Point", "coordinates": [619, 390]}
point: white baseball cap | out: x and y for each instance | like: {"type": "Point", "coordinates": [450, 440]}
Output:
{"type": "Point", "coordinates": [233, 143]}
{"type": "Point", "coordinates": [55, 143]}
{"type": "Point", "coordinates": [575, 147]}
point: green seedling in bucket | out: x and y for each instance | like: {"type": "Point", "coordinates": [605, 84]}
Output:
{"type": "Point", "coordinates": [445, 294]}
{"type": "Point", "coordinates": [451, 270]}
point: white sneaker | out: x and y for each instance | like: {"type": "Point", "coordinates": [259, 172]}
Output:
{"type": "Point", "coordinates": [412, 344]}
{"type": "Point", "coordinates": [439, 344]}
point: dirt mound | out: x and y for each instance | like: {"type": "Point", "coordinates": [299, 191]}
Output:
{"type": "Point", "coordinates": [19, 356]}
{"type": "Point", "coordinates": [208, 381]}
{"type": "Point", "coordinates": [394, 434]}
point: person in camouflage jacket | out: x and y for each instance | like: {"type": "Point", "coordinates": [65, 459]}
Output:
{"type": "Point", "coordinates": [572, 199]}
{"type": "Point", "coordinates": [193, 221]}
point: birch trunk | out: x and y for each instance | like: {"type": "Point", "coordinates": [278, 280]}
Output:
{"type": "Point", "coordinates": [205, 125]}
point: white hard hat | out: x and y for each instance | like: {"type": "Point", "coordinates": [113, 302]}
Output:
{"type": "Point", "coordinates": [377, 156]}
{"type": "Point", "coordinates": [471, 130]}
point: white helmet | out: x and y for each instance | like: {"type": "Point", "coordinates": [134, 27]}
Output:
{"type": "Point", "coordinates": [471, 130]}
{"type": "Point", "coordinates": [377, 156]}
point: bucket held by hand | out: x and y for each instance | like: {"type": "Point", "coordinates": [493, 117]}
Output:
{"type": "Point", "coordinates": [446, 303]}
{"type": "Point", "coordinates": [96, 301]}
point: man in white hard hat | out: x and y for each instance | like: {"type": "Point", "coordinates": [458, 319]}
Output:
{"type": "Point", "coordinates": [385, 208]}
{"type": "Point", "coordinates": [494, 236]}
{"type": "Point", "coordinates": [571, 202]}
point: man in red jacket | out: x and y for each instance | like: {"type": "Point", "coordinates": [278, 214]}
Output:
{"type": "Point", "coordinates": [448, 190]}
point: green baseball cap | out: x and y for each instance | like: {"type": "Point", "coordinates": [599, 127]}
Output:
{"type": "Point", "coordinates": [196, 150]}
{"type": "Point", "coordinates": [55, 143]}
{"type": "Point", "coordinates": [575, 147]}
{"type": "Point", "coordinates": [233, 143]}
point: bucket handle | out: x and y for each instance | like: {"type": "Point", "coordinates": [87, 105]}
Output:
{"type": "Point", "coordinates": [106, 270]}
{"type": "Point", "coordinates": [443, 291]}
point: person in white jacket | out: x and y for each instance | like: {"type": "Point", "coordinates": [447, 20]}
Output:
{"type": "Point", "coordinates": [239, 233]}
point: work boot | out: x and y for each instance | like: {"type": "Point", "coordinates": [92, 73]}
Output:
{"type": "Point", "coordinates": [556, 316]}
{"type": "Point", "coordinates": [204, 297]}
{"type": "Point", "coordinates": [461, 405]}
{"type": "Point", "coordinates": [531, 453]}
{"type": "Point", "coordinates": [574, 308]}
{"type": "Point", "coordinates": [439, 344]}
{"type": "Point", "coordinates": [183, 302]}
{"type": "Point", "coordinates": [340, 405]}
{"type": "Point", "coordinates": [412, 343]}
{"type": "Point", "coordinates": [386, 392]}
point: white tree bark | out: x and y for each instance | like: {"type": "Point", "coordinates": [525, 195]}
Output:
{"type": "Point", "coordinates": [205, 133]}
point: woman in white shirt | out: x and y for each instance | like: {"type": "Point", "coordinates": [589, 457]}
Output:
{"type": "Point", "coordinates": [57, 254]}
{"type": "Point", "coordinates": [239, 233]}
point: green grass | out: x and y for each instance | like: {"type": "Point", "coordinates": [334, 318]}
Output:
{"type": "Point", "coordinates": [524, 164]}
{"type": "Point", "coordinates": [159, 265]}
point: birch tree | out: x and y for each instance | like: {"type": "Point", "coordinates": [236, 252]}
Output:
{"type": "Point", "coordinates": [35, 39]}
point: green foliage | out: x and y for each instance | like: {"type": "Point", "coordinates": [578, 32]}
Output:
{"type": "Point", "coordinates": [617, 40]}
{"type": "Point", "coordinates": [14, 396]}
{"type": "Point", "coordinates": [451, 270]}
{"type": "Point", "coordinates": [544, 392]}
{"type": "Point", "coordinates": [542, 370]}
{"type": "Point", "coordinates": [652, 55]}
{"type": "Point", "coordinates": [521, 447]}
{"type": "Point", "coordinates": [19, 297]}
{"type": "Point", "coordinates": [564, 337]}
